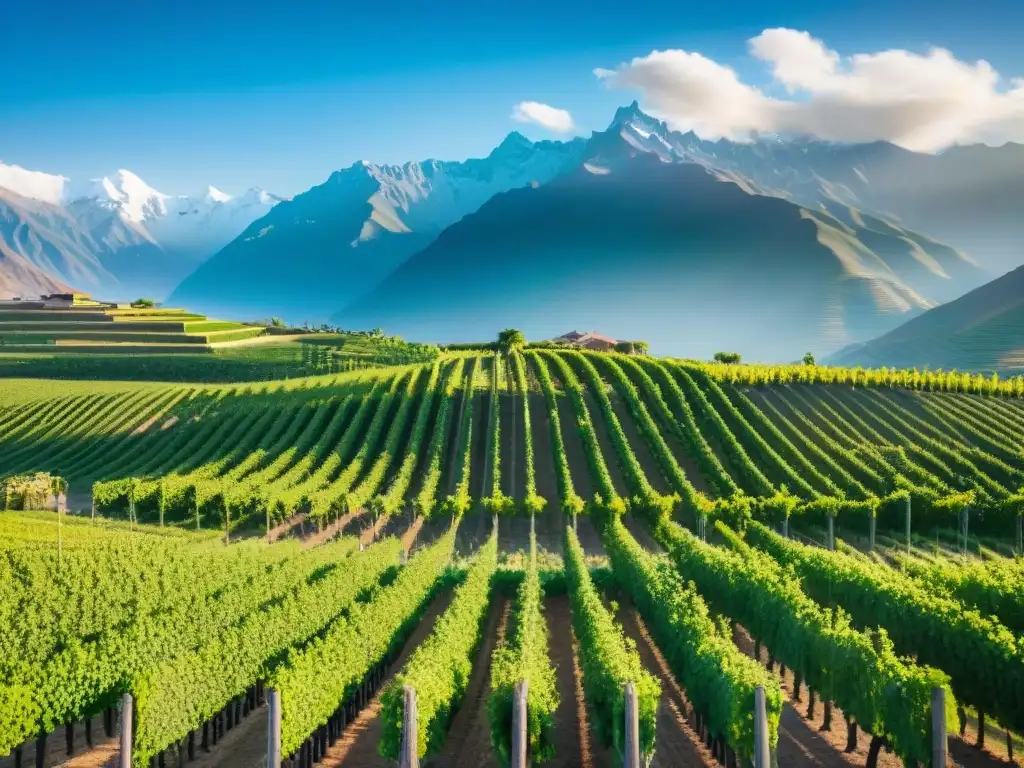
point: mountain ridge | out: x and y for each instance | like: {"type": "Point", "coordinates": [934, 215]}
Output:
{"type": "Point", "coordinates": [357, 226]}
{"type": "Point", "coordinates": [662, 224]}
{"type": "Point", "coordinates": [115, 235]}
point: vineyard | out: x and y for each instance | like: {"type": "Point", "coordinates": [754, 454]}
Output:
{"type": "Point", "coordinates": [544, 557]}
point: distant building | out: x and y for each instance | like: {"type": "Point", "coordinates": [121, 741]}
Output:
{"type": "Point", "coordinates": [589, 340]}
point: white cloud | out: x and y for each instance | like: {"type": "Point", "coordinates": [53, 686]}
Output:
{"type": "Point", "coordinates": [924, 102]}
{"type": "Point", "coordinates": [552, 118]}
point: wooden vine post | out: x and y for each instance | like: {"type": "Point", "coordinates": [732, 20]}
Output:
{"type": "Point", "coordinates": [762, 754]}
{"type": "Point", "coordinates": [518, 758]}
{"type": "Point", "coordinates": [409, 757]}
{"type": "Point", "coordinates": [831, 532]}
{"type": "Point", "coordinates": [125, 758]}
{"type": "Point", "coordinates": [631, 751]}
{"type": "Point", "coordinates": [872, 527]}
{"type": "Point", "coordinates": [273, 728]}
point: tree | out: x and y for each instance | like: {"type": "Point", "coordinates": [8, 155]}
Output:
{"type": "Point", "coordinates": [809, 359]}
{"type": "Point", "coordinates": [277, 322]}
{"type": "Point", "coordinates": [143, 303]}
{"type": "Point", "coordinates": [727, 357]}
{"type": "Point", "coordinates": [511, 339]}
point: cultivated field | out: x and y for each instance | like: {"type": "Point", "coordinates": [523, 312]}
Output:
{"type": "Point", "coordinates": [842, 540]}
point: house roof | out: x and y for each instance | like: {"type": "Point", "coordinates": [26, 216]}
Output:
{"type": "Point", "coordinates": [594, 336]}
{"type": "Point", "coordinates": [578, 337]}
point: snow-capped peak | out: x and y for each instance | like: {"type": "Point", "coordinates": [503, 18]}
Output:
{"type": "Point", "coordinates": [214, 195]}
{"type": "Point", "coordinates": [630, 114]}
{"type": "Point", "coordinates": [34, 185]}
{"type": "Point", "coordinates": [124, 190]}
{"type": "Point", "coordinates": [257, 196]}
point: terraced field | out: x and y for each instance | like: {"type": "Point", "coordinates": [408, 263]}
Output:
{"type": "Point", "coordinates": [35, 326]}
{"type": "Point", "coordinates": [620, 515]}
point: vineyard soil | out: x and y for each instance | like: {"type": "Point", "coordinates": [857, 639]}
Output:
{"type": "Point", "coordinates": [357, 746]}
{"type": "Point", "coordinates": [677, 743]}
{"type": "Point", "coordinates": [469, 736]}
{"type": "Point", "coordinates": [574, 742]}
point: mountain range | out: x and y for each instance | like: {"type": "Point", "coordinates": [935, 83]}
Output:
{"type": "Point", "coordinates": [343, 237]}
{"type": "Point", "coordinates": [967, 196]}
{"type": "Point", "coordinates": [674, 253]}
{"type": "Point", "coordinates": [113, 236]}
{"type": "Point", "coordinates": [771, 247]}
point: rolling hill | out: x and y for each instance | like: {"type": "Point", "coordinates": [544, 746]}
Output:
{"type": "Point", "coordinates": [981, 331]}
{"type": "Point", "coordinates": [671, 252]}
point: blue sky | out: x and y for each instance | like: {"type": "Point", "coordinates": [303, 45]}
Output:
{"type": "Point", "coordinates": [237, 94]}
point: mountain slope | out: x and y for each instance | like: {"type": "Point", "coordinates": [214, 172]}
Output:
{"type": "Point", "coordinates": [331, 244]}
{"type": "Point", "coordinates": [966, 196]}
{"type": "Point", "coordinates": [52, 240]}
{"type": "Point", "coordinates": [116, 236]}
{"type": "Point", "coordinates": [981, 331]}
{"type": "Point", "coordinates": [20, 278]}
{"type": "Point", "coordinates": [663, 251]}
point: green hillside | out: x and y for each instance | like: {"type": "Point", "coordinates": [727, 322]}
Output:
{"type": "Point", "coordinates": [473, 519]}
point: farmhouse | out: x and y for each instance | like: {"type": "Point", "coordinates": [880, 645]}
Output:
{"type": "Point", "coordinates": [589, 340]}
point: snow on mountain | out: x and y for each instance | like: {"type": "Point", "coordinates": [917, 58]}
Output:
{"type": "Point", "coordinates": [362, 222]}
{"type": "Point", "coordinates": [133, 238]}
{"type": "Point", "coordinates": [430, 195]}
{"type": "Point", "coordinates": [124, 191]}
{"type": "Point", "coordinates": [214, 195]}
{"type": "Point", "coordinates": [34, 185]}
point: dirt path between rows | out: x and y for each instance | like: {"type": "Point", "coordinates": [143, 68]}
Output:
{"type": "Point", "coordinates": [574, 742]}
{"type": "Point", "coordinates": [589, 537]}
{"type": "Point", "coordinates": [642, 534]}
{"type": "Point", "coordinates": [469, 737]}
{"type": "Point", "coordinates": [288, 528]}
{"type": "Point", "coordinates": [648, 463]}
{"type": "Point", "coordinates": [334, 529]}
{"type": "Point", "coordinates": [803, 742]}
{"type": "Point", "coordinates": [103, 752]}
{"type": "Point", "coordinates": [543, 453]}
{"type": "Point", "coordinates": [511, 447]}
{"type": "Point", "coordinates": [579, 470]}
{"type": "Point", "coordinates": [675, 744]}
{"type": "Point", "coordinates": [244, 746]}
{"type": "Point", "coordinates": [604, 442]}
{"type": "Point", "coordinates": [357, 746]}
